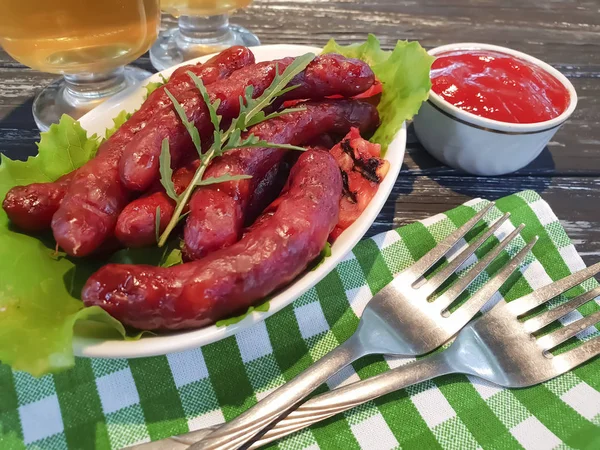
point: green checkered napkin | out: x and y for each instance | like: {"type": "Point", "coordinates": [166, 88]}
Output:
{"type": "Point", "coordinates": [115, 403]}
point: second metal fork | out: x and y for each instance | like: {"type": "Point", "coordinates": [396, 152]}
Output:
{"type": "Point", "coordinates": [503, 346]}
{"type": "Point", "coordinates": [399, 320]}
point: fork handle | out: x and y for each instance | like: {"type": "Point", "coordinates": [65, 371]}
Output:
{"type": "Point", "coordinates": [243, 428]}
{"type": "Point", "coordinates": [342, 399]}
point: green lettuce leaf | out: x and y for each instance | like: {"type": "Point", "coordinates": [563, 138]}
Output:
{"type": "Point", "coordinates": [154, 85]}
{"type": "Point", "coordinates": [404, 75]}
{"type": "Point", "coordinates": [62, 149]}
{"type": "Point", "coordinates": [121, 118]}
{"type": "Point", "coordinates": [39, 288]}
{"type": "Point", "coordinates": [167, 256]}
{"type": "Point", "coordinates": [263, 307]}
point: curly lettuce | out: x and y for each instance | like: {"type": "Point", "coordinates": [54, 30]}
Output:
{"type": "Point", "coordinates": [39, 302]}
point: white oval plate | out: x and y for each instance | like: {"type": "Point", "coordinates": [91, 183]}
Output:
{"type": "Point", "coordinates": [100, 118]}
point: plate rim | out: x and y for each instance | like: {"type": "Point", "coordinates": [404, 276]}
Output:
{"type": "Point", "coordinates": [185, 340]}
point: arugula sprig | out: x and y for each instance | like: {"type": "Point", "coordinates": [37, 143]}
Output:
{"type": "Point", "coordinates": [251, 113]}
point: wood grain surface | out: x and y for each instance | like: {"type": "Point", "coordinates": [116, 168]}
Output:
{"type": "Point", "coordinates": [564, 33]}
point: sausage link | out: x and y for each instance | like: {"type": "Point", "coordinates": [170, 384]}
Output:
{"type": "Point", "coordinates": [274, 252]}
{"type": "Point", "coordinates": [32, 207]}
{"type": "Point", "coordinates": [137, 222]}
{"type": "Point", "coordinates": [139, 166]}
{"type": "Point", "coordinates": [136, 225]}
{"type": "Point", "coordinates": [218, 212]}
{"type": "Point", "coordinates": [89, 210]}
{"type": "Point", "coordinates": [220, 215]}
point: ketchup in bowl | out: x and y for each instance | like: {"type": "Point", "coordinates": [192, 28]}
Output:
{"type": "Point", "coordinates": [498, 86]}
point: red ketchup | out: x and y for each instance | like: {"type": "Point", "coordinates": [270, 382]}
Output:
{"type": "Point", "coordinates": [498, 86]}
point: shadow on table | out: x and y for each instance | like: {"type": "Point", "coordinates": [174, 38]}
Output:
{"type": "Point", "coordinates": [535, 177]}
{"type": "Point", "coordinates": [426, 187]}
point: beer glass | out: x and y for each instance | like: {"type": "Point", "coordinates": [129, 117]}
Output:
{"type": "Point", "coordinates": [88, 42]}
{"type": "Point", "coordinates": [203, 28]}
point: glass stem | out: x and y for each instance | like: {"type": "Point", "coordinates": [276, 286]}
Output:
{"type": "Point", "coordinates": [203, 29]}
{"type": "Point", "coordinates": [91, 87]}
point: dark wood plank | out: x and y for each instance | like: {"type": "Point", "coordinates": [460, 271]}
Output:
{"type": "Point", "coordinates": [549, 29]}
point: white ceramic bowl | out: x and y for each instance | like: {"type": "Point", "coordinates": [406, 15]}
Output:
{"type": "Point", "coordinates": [97, 120]}
{"type": "Point", "coordinates": [483, 146]}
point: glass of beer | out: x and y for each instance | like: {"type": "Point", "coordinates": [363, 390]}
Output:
{"type": "Point", "coordinates": [88, 42]}
{"type": "Point", "coordinates": [203, 28]}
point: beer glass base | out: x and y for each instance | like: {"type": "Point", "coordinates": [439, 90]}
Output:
{"type": "Point", "coordinates": [75, 95]}
{"type": "Point", "coordinates": [173, 46]}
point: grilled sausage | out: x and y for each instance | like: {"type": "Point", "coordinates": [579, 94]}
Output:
{"type": "Point", "coordinates": [32, 207]}
{"type": "Point", "coordinates": [218, 212]}
{"type": "Point", "coordinates": [221, 211]}
{"type": "Point", "coordinates": [326, 75]}
{"type": "Point", "coordinates": [228, 281]}
{"type": "Point", "coordinates": [89, 210]}
{"type": "Point", "coordinates": [136, 225]}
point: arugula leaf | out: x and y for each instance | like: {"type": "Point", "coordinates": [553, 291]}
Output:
{"type": "Point", "coordinates": [157, 224]}
{"type": "Point", "coordinates": [252, 107]}
{"type": "Point", "coordinates": [189, 126]}
{"type": "Point", "coordinates": [215, 119]}
{"type": "Point", "coordinates": [249, 108]}
{"type": "Point", "coordinates": [222, 178]}
{"type": "Point", "coordinates": [39, 304]}
{"type": "Point", "coordinates": [263, 307]}
{"type": "Point", "coordinates": [404, 74]}
{"type": "Point", "coordinates": [253, 141]}
{"type": "Point", "coordinates": [183, 215]}
{"type": "Point", "coordinates": [121, 118]}
{"type": "Point", "coordinates": [261, 117]}
{"type": "Point", "coordinates": [166, 172]}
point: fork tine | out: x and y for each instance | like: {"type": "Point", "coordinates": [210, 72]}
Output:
{"type": "Point", "coordinates": [429, 259]}
{"type": "Point", "coordinates": [551, 340]}
{"type": "Point", "coordinates": [472, 306]}
{"type": "Point", "coordinates": [436, 281]}
{"type": "Point", "coordinates": [538, 322]}
{"type": "Point", "coordinates": [463, 283]}
{"type": "Point", "coordinates": [580, 354]}
{"type": "Point", "coordinates": [542, 295]}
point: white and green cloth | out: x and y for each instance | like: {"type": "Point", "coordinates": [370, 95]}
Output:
{"type": "Point", "coordinates": [115, 403]}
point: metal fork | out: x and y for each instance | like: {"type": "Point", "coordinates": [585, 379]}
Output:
{"type": "Point", "coordinates": [399, 320]}
{"type": "Point", "coordinates": [499, 347]}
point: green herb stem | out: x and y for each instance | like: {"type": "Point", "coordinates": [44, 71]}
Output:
{"type": "Point", "coordinates": [184, 198]}
{"type": "Point", "coordinates": [251, 113]}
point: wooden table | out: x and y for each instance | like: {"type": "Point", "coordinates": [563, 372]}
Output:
{"type": "Point", "coordinates": [564, 33]}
